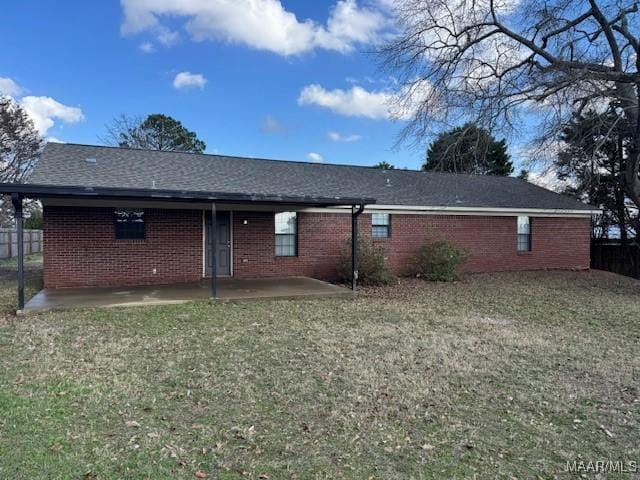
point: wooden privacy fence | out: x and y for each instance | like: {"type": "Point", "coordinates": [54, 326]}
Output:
{"type": "Point", "coordinates": [610, 256]}
{"type": "Point", "coordinates": [9, 242]}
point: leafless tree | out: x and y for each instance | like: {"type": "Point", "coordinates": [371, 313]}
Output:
{"type": "Point", "coordinates": [20, 147]}
{"type": "Point", "coordinates": [20, 143]}
{"type": "Point", "coordinates": [491, 61]}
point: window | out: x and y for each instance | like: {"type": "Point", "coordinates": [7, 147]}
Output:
{"type": "Point", "coordinates": [286, 234]}
{"type": "Point", "coordinates": [524, 234]}
{"type": "Point", "coordinates": [380, 225]}
{"type": "Point", "coordinates": [129, 224]}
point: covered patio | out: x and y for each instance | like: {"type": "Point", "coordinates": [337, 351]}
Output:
{"type": "Point", "coordinates": [217, 286]}
{"type": "Point", "coordinates": [228, 289]}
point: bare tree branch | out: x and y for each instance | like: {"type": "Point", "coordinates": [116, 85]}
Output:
{"type": "Point", "coordinates": [492, 61]}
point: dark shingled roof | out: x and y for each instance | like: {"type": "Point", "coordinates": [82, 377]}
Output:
{"type": "Point", "coordinates": [96, 166]}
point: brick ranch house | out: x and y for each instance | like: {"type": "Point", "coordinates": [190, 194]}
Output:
{"type": "Point", "coordinates": [115, 216]}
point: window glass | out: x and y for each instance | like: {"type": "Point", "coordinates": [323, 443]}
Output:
{"type": "Point", "coordinates": [524, 234]}
{"type": "Point", "coordinates": [286, 222]}
{"type": "Point", "coordinates": [286, 234]}
{"type": "Point", "coordinates": [380, 223]}
{"type": "Point", "coordinates": [129, 224]}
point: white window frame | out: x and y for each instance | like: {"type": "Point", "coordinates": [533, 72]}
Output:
{"type": "Point", "coordinates": [294, 234]}
{"type": "Point", "coordinates": [524, 241]}
{"type": "Point", "coordinates": [375, 225]}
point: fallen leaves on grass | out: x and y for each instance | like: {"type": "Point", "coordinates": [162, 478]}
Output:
{"type": "Point", "coordinates": [484, 376]}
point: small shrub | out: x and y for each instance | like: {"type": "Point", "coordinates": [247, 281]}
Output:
{"type": "Point", "coordinates": [372, 267]}
{"type": "Point", "coordinates": [438, 260]}
{"type": "Point", "coordinates": [34, 221]}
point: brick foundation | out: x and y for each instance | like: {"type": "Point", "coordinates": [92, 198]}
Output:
{"type": "Point", "coordinates": [80, 248]}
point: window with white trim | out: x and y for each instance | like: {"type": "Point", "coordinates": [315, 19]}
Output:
{"type": "Point", "coordinates": [380, 225]}
{"type": "Point", "coordinates": [129, 224]}
{"type": "Point", "coordinates": [286, 234]}
{"type": "Point", "coordinates": [524, 234]}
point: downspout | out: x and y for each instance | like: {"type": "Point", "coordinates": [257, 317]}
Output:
{"type": "Point", "coordinates": [356, 210]}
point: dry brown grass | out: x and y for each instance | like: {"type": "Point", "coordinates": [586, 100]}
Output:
{"type": "Point", "coordinates": [497, 376]}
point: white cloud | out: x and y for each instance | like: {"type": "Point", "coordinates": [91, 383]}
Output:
{"type": "Point", "coordinates": [339, 137]}
{"type": "Point", "coordinates": [355, 102]}
{"type": "Point", "coordinates": [167, 37]}
{"type": "Point", "coordinates": [315, 157]}
{"type": "Point", "coordinates": [392, 104]}
{"type": "Point", "coordinates": [147, 47]}
{"type": "Point", "coordinates": [271, 125]}
{"type": "Point", "coordinates": [260, 24]}
{"type": "Point", "coordinates": [9, 87]}
{"type": "Point", "coordinates": [42, 110]}
{"type": "Point", "coordinates": [45, 110]}
{"type": "Point", "coordinates": [548, 178]}
{"type": "Point", "coordinates": [188, 79]}
{"type": "Point", "coordinates": [387, 81]}
{"type": "Point", "coordinates": [54, 140]}
{"type": "Point", "coordinates": [349, 24]}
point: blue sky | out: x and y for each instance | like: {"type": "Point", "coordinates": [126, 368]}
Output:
{"type": "Point", "coordinates": [264, 78]}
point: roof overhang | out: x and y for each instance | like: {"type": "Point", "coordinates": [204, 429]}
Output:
{"type": "Point", "coordinates": [473, 210]}
{"type": "Point", "coordinates": [39, 191]}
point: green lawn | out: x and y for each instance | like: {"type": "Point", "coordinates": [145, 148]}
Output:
{"type": "Point", "coordinates": [497, 376]}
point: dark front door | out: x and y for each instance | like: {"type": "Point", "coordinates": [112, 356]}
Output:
{"type": "Point", "coordinates": [222, 245]}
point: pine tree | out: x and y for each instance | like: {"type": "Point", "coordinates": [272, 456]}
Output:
{"type": "Point", "coordinates": [469, 149]}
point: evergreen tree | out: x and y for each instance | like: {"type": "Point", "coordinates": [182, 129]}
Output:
{"type": "Point", "coordinates": [592, 162]}
{"type": "Point", "coordinates": [156, 132]}
{"type": "Point", "coordinates": [384, 165]}
{"type": "Point", "coordinates": [469, 149]}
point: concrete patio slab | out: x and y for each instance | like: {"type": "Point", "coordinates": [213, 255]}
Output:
{"type": "Point", "coordinates": [228, 289]}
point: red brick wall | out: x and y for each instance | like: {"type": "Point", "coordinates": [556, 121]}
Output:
{"type": "Point", "coordinates": [80, 248]}
{"type": "Point", "coordinates": [321, 236]}
{"type": "Point", "coordinates": [558, 243]}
